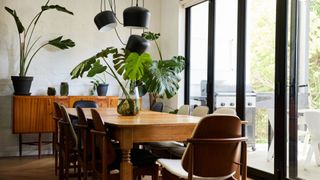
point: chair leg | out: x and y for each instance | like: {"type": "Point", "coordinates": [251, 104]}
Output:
{"type": "Point", "coordinates": [315, 147]}
{"type": "Point", "coordinates": [155, 173]}
{"type": "Point", "coordinates": [308, 158]}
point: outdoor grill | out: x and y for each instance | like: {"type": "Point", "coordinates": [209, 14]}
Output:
{"type": "Point", "coordinates": [225, 96]}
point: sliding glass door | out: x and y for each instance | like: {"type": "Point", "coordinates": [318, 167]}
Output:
{"type": "Point", "coordinates": [304, 99]}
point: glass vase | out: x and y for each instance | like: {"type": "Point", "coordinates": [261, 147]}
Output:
{"type": "Point", "coordinates": [128, 102]}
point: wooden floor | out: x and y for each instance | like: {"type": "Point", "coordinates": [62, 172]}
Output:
{"type": "Point", "coordinates": [25, 168]}
{"type": "Point", "coordinates": [29, 168]}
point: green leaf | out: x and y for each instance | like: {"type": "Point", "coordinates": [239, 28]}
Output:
{"type": "Point", "coordinates": [62, 44]}
{"type": "Point", "coordinates": [97, 68]}
{"type": "Point", "coordinates": [150, 36]}
{"type": "Point", "coordinates": [16, 18]}
{"type": "Point", "coordinates": [163, 77]}
{"type": "Point", "coordinates": [136, 65]}
{"type": "Point", "coordinates": [56, 7]}
{"type": "Point", "coordinates": [83, 67]}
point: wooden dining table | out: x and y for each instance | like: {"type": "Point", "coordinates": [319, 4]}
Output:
{"type": "Point", "coordinates": [147, 126]}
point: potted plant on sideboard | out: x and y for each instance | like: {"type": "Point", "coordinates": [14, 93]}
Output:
{"type": "Point", "coordinates": [28, 48]}
{"type": "Point", "coordinates": [100, 85]}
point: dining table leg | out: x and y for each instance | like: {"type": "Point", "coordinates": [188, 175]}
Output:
{"type": "Point", "coordinates": [126, 143]}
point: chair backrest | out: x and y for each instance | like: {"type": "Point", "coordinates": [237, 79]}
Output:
{"type": "Point", "coordinates": [200, 111]}
{"type": "Point", "coordinates": [184, 109]}
{"type": "Point", "coordinates": [57, 110]}
{"type": "Point", "coordinates": [108, 149]}
{"type": "Point", "coordinates": [312, 118]}
{"type": "Point", "coordinates": [81, 117]}
{"type": "Point", "coordinates": [225, 110]}
{"type": "Point", "coordinates": [85, 104]}
{"type": "Point", "coordinates": [157, 106]}
{"type": "Point", "coordinates": [69, 130]}
{"type": "Point", "coordinates": [218, 157]}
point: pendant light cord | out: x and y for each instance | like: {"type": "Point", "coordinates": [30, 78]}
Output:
{"type": "Point", "coordinates": [113, 8]}
{"type": "Point", "coordinates": [101, 6]}
{"type": "Point", "coordinates": [115, 29]}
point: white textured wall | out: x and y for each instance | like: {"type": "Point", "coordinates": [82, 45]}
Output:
{"type": "Point", "coordinates": [172, 42]}
{"type": "Point", "coordinates": [50, 67]}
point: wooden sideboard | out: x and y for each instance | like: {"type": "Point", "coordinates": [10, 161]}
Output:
{"type": "Point", "coordinates": [33, 114]}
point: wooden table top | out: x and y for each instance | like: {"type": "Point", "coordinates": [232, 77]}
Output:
{"type": "Point", "coordinates": [145, 117]}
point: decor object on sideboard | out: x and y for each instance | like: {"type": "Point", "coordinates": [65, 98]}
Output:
{"type": "Point", "coordinates": [163, 77]}
{"type": "Point", "coordinates": [100, 85]}
{"type": "Point", "coordinates": [51, 91]}
{"type": "Point", "coordinates": [129, 66]}
{"type": "Point", "coordinates": [64, 89]}
{"type": "Point", "coordinates": [28, 48]}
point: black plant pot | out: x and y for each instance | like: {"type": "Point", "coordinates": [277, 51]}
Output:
{"type": "Point", "coordinates": [102, 89]}
{"type": "Point", "coordinates": [22, 85]}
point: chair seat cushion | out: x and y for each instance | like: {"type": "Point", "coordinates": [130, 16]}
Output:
{"type": "Point", "coordinates": [174, 166]}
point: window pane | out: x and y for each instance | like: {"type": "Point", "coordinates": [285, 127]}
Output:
{"type": "Point", "coordinates": [260, 79]}
{"type": "Point", "coordinates": [198, 53]}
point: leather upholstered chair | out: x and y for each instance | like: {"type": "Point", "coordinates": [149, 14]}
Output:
{"type": "Point", "coordinates": [200, 111]}
{"type": "Point", "coordinates": [85, 104]}
{"type": "Point", "coordinates": [215, 150]}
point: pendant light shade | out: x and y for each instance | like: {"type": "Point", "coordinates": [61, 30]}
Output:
{"type": "Point", "coordinates": [136, 17]}
{"type": "Point", "coordinates": [105, 21]}
{"type": "Point", "coordinates": [137, 44]}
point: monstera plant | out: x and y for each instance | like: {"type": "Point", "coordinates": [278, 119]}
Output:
{"type": "Point", "coordinates": [162, 78]}
{"type": "Point", "coordinates": [157, 77]}
{"type": "Point", "coordinates": [29, 46]}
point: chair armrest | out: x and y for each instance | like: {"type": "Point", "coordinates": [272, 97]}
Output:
{"type": "Point", "coordinates": [101, 133]}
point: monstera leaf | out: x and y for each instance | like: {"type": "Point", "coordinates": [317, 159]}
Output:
{"type": "Point", "coordinates": [92, 65]}
{"type": "Point", "coordinates": [136, 65]}
{"type": "Point", "coordinates": [163, 78]}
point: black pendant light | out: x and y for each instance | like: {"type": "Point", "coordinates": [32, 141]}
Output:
{"type": "Point", "coordinates": [137, 44]}
{"type": "Point", "coordinates": [105, 20]}
{"type": "Point", "coordinates": [136, 17]}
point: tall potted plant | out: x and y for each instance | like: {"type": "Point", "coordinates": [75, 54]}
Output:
{"type": "Point", "coordinates": [163, 76]}
{"type": "Point", "coordinates": [28, 48]}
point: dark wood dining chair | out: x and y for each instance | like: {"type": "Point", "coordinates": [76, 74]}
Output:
{"type": "Point", "coordinates": [215, 150]}
{"type": "Point", "coordinates": [68, 154]}
{"type": "Point", "coordinates": [106, 162]}
{"type": "Point", "coordinates": [83, 128]}
{"type": "Point", "coordinates": [56, 118]}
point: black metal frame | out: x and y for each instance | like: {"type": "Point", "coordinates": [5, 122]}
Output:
{"type": "Point", "coordinates": [187, 56]}
{"type": "Point", "coordinates": [211, 59]}
{"type": "Point", "coordinates": [293, 92]}
{"type": "Point", "coordinates": [280, 102]}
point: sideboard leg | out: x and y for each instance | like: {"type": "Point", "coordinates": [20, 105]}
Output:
{"type": "Point", "coordinates": [20, 144]}
{"type": "Point", "coordinates": [39, 146]}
